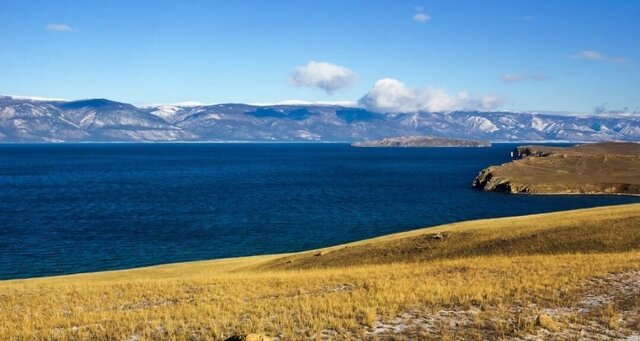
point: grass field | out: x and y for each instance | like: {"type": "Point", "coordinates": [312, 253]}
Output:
{"type": "Point", "coordinates": [557, 276]}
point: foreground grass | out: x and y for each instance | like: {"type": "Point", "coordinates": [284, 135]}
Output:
{"type": "Point", "coordinates": [508, 272]}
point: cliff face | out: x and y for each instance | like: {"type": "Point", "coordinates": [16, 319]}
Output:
{"type": "Point", "coordinates": [488, 181]}
{"type": "Point", "coordinates": [421, 141]}
{"type": "Point", "coordinates": [602, 168]}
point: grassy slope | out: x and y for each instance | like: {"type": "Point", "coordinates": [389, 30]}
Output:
{"type": "Point", "coordinates": [570, 232]}
{"type": "Point", "coordinates": [492, 265]}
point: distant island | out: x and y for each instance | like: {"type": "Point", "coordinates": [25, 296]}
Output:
{"type": "Point", "coordinates": [600, 168]}
{"type": "Point", "coordinates": [421, 141]}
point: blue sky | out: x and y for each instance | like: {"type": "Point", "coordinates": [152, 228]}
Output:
{"type": "Point", "coordinates": [525, 55]}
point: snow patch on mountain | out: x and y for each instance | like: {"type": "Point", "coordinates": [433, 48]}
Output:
{"type": "Point", "coordinates": [481, 123]}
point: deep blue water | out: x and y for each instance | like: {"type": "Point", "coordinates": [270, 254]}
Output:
{"type": "Point", "coordinates": [88, 207]}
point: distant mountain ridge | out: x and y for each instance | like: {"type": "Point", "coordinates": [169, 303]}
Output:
{"type": "Point", "coordinates": [102, 120]}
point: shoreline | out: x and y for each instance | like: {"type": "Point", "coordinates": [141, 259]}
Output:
{"type": "Point", "coordinates": [263, 142]}
{"type": "Point", "coordinates": [479, 276]}
{"type": "Point", "coordinates": [587, 169]}
{"type": "Point", "coordinates": [270, 257]}
{"type": "Point", "coordinates": [564, 194]}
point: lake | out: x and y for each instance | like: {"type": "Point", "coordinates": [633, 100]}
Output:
{"type": "Point", "coordinates": [68, 208]}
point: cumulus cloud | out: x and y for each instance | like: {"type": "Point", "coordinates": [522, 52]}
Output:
{"type": "Point", "coordinates": [599, 57]}
{"type": "Point", "coordinates": [322, 75]}
{"type": "Point", "coordinates": [391, 95]}
{"type": "Point", "coordinates": [512, 78]}
{"type": "Point", "coordinates": [58, 28]}
{"type": "Point", "coordinates": [420, 16]}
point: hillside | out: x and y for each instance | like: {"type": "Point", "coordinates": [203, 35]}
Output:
{"type": "Point", "coordinates": [554, 276]}
{"type": "Point", "coordinates": [601, 168]}
{"type": "Point", "coordinates": [102, 120]}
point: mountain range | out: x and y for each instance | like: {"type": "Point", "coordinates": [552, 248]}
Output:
{"type": "Point", "coordinates": [102, 120]}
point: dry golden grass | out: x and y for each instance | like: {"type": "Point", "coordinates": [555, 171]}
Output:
{"type": "Point", "coordinates": [504, 271]}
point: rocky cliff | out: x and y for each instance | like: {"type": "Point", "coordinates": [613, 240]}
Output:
{"type": "Point", "coordinates": [601, 168]}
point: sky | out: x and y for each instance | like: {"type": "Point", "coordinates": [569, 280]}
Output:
{"type": "Point", "coordinates": [546, 55]}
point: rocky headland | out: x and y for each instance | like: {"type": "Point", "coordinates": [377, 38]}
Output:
{"type": "Point", "coordinates": [600, 168]}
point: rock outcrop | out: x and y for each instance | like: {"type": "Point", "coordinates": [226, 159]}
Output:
{"type": "Point", "coordinates": [601, 168]}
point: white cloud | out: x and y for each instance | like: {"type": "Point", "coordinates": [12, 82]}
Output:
{"type": "Point", "coordinates": [391, 95]}
{"type": "Point", "coordinates": [35, 98]}
{"type": "Point", "coordinates": [421, 17]}
{"type": "Point", "coordinates": [512, 78]}
{"type": "Point", "coordinates": [599, 57]}
{"type": "Point", "coordinates": [322, 75]}
{"type": "Point", "coordinates": [58, 28]}
{"type": "Point", "coordinates": [590, 55]}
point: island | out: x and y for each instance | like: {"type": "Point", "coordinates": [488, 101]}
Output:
{"type": "Point", "coordinates": [599, 168]}
{"type": "Point", "coordinates": [421, 141]}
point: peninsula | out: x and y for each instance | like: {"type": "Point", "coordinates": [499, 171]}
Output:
{"type": "Point", "coordinates": [421, 141]}
{"type": "Point", "coordinates": [600, 168]}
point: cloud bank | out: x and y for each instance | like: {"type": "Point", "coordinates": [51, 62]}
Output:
{"type": "Point", "coordinates": [322, 75]}
{"type": "Point", "coordinates": [58, 28]}
{"type": "Point", "coordinates": [391, 95]}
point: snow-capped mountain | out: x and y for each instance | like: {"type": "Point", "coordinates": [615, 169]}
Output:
{"type": "Point", "coordinates": [87, 120]}
{"type": "Point", "coordinates": [42, 120]}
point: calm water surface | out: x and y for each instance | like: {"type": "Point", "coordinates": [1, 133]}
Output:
{"type": "Point", "coordinates": [88, 207]}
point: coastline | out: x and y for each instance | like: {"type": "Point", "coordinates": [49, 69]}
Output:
{"type": "Point", "coordinates": [231, 262]}
{"type": "Point", "coordinates": [587, 169]}
{"type": "Point", "coordinates": [491, 279]}
{"type": "Point", "coordinates": [566, 193]}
